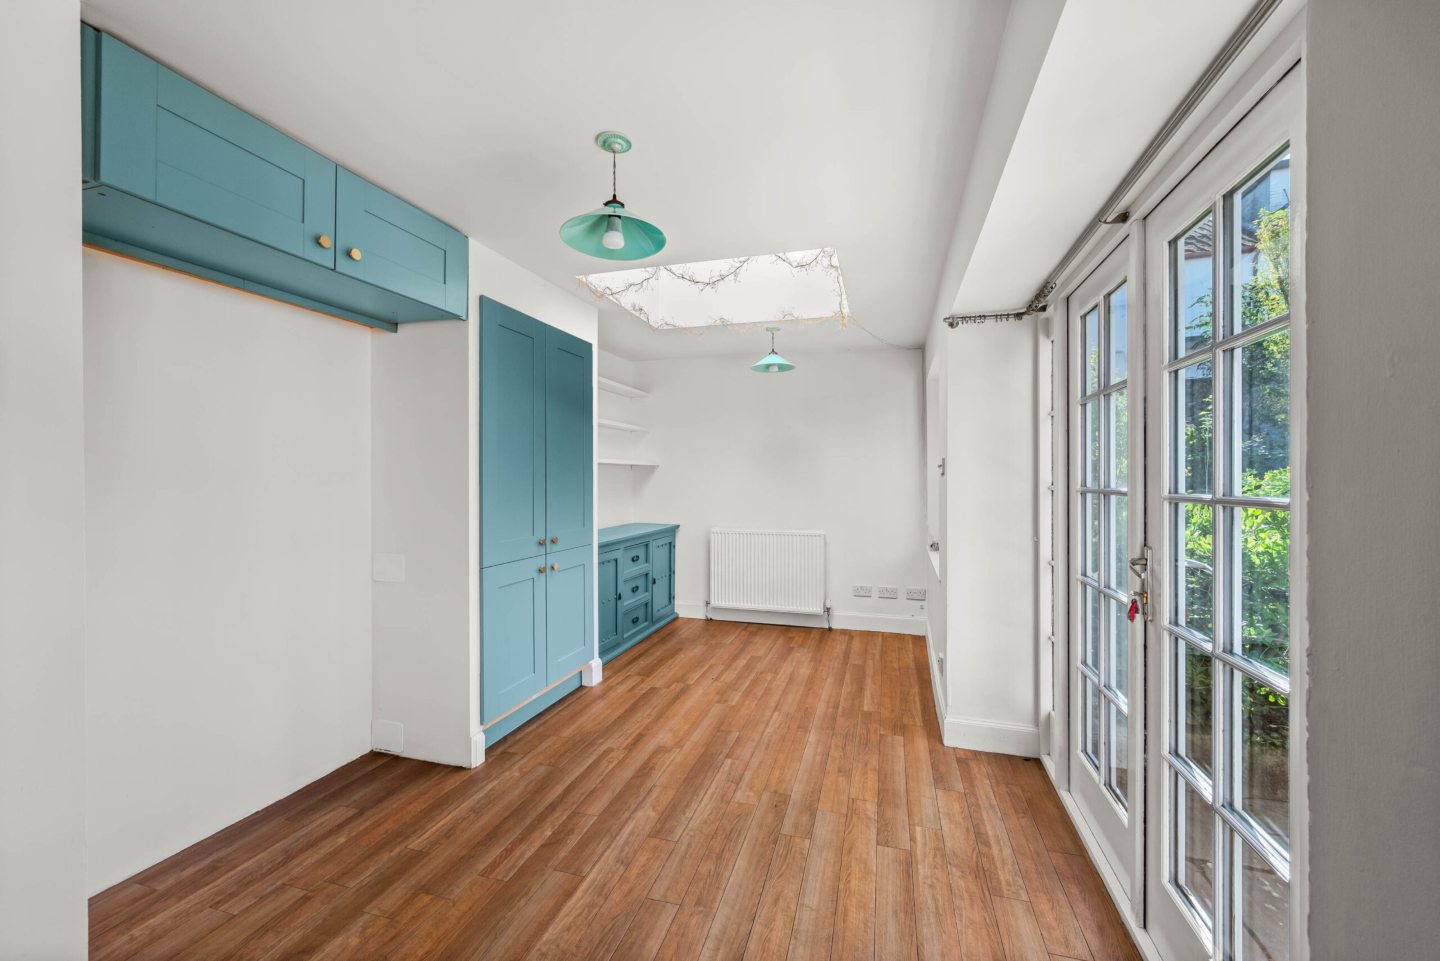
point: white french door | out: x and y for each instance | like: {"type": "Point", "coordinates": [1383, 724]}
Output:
{"type": "Point", "coordinates": [1185, 473]}
{"type": "Point", "coordinates": [1104, 704]}
{"type": "Point", "coordinates": [1219, 256]}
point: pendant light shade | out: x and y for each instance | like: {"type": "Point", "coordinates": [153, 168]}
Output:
{"type": "Point", "coordinates": [611, 232]}
{"type": "Point", "coordinates": [772, 363]}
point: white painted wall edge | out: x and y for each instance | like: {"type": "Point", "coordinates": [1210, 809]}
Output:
{"type": "Point", "coordinates": [839, 620]}
{"type": "Point", "coordinates": [1118, 895]}
{"type": "Point", "coordinates": [937, 684]}
{"type": "Point", "coordinates": [996, 737]}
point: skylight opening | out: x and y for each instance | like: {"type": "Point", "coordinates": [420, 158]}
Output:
{"type": "Point", "coordinates": [801, 286]}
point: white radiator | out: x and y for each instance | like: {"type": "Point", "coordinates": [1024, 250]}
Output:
{"type": "Point", "coordinates": [768, 570]}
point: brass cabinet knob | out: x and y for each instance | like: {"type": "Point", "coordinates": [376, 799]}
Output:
{"type": "Point", "coordinates": [542, 568]}
{"type": "Point", "coordinates": [323, 240]}
{"type": "Point", "coordinates": [542, 542]}
{"type": "Point", "coordinates": [554, 540]}
{"type": "Point", "coordinates": [554, 567]}
{"type": "Point", "coordinates": [354, 253]}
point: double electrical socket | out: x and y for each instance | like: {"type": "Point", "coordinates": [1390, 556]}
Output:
{"type": "Point", "coordinates": [887, 593]}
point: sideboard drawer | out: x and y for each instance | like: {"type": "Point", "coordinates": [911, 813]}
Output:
{"type": "Point", "coordinates": [635, 587]}
{"type": "Point", "coordinates": [634, 557]}
{"type": "Point", "coordinates": [635, 620]}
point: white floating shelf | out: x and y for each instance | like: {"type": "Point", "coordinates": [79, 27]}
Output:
{"type": "Point", "coordinates": [621, 425]}
{"type": "Point", "coordinates": [623, 390]}
{"type": "Point", "coordinates": [622, 462]}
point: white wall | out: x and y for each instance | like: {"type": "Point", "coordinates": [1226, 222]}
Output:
{"type": "Point", "coordinates": [42, 496]}
{"type": "Point", "coordinates": [425, 403]}
{"type": "Point", "coordinates": [1373, 459]}
{"type": "Point", "coordinates": [617, 487]}
{"type": "Point", "coordinates": [228, 607]}
{"type": "Point", "coordinates": [835, 445]}
{"type": "Point", "coordinates": [988, 631]}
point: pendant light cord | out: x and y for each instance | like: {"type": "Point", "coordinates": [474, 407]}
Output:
{"type": "Point", "coordinates": [614, 194]}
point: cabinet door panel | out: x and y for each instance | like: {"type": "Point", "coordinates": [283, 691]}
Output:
{"type": "Point", "coordinates": [402, 248]}
{"type": "Point", "coordinates": [512, 433]}
{"type": "Point", "coordinates": [609, 604]}
{"type": "Point", "coordinates": [168, 140]}
{"type": "Point", "coordinates": [512, 639]}
{"type": "Point", "coordinates": [569, 438]}
{"type": "Point", "coordinates": [568, 603]}
{"type": "Point", "coordinates": [662, 576]}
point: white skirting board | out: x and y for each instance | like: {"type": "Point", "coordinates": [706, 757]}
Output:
{"type": "Point", "coordinates": [997, 737]}
{"type": "Point", "coordinates": [839, 620]}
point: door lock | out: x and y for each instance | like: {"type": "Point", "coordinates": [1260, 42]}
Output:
{"type": "Point", "coordinates": [1140, 597]}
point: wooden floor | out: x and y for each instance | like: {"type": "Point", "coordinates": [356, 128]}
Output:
{"type": "Point", "coordinates": [731, 791]}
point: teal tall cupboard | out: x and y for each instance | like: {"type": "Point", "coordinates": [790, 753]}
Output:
{"type": "Point", "coordinates": [537, 598]}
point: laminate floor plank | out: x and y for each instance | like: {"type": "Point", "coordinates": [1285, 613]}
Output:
{"type": "Point", "coordinates": [731, 792]}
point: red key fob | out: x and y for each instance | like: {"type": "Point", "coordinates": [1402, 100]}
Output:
{"type": "Point", "coordinates": [1134, 608]}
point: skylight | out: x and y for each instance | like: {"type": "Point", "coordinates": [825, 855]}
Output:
{"type": "Point", "coordinates": [802, 285]}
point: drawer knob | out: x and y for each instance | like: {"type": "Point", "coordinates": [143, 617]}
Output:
{"type": "Point", "coordinates": [554, 567]}
{"type": "Point", "coordinates": [323, 240]}
{"type": "Point", "coordinates": [354, 253]}
{"type": "Point", "coordinates": [635, 589]}
{"type": "Point", "coordinates": [635, 619]}
{"type": "Point", "coordinates": [542, 568]}
{"type": "Point", "coordinates": [542, 542]}
{"type": "Point", "coordinates": [555, 540]}
{"type": "Point", "coordinates": [634, 558]}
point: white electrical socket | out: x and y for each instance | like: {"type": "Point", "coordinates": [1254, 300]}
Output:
{"type": "Point", "coordinates": [860, 590]}
{"type": "Point", "coordinates": [889, 592]}
{"type": "Point", "coordinates": [914, 593]}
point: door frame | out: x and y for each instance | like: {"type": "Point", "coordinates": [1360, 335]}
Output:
{"type": "Point", "coordinates": [1278, 49]}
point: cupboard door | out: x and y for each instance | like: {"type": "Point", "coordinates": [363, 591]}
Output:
{"type": "Point", "coordinates": [167, 140]}
{"type": "Point", "coordinates": [512, 434]}
{"type": "Point", "coordinates": [662, 576]}
{"type": "Point", "coordinates": [609, 605]}
{"type": "Point", "coordinates": [568, 603]}
{"type": "Point", "coordinates": [569, 439]}
{"type": "Point", "coordinates": [385, 241]}
{"type": "Point", "coordinates": [512, 632]}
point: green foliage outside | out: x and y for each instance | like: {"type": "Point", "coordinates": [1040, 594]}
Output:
{"type": "Point", "coordinates": [1263, 427]}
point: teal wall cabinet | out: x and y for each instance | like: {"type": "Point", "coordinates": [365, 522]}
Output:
{"type": "Point", "coordinates": [536, 437]}
{"type": "Point", "coordinates": [642, 585]}
{"type": "Point", "coordinates": [536, 515]}
{"type": "Point", "coordinates": [180, 177]}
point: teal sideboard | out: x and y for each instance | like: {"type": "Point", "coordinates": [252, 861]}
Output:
{"type": "Point", "coordinates": [176, 176]}
{"type": "Point", "coordinates": [636, 584]}
{"type": "Point", "coordinates": [537, 597]}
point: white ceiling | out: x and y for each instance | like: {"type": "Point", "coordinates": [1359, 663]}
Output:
{"type": "Point", "coordinates": [758, 126]}
{"type": "Point", "coordinates": [869, 126]}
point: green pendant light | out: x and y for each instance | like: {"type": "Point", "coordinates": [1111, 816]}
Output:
{"type": "Point", "coordinates": [772, 363]}
{"type": "Point", "coordinates": [612, 232]}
